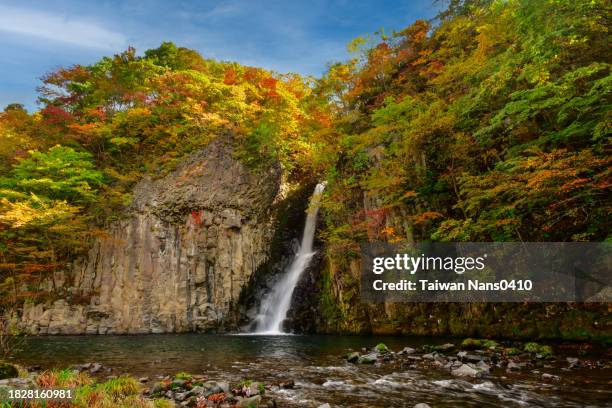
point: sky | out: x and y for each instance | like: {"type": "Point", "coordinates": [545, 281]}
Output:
{"type": "Point", "coordinates": [286, 36]}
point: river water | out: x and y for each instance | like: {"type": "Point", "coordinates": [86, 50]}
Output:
{"type": "Point", "coordinates": [320, 373]}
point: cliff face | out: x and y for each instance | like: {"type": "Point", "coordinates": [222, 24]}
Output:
{"type": "Point", "coordinates": [177, 262]}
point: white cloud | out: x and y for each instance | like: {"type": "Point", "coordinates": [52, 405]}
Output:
{"type": "Point", "coordinates": [77, 31]}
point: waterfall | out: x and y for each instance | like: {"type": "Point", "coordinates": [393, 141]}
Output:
{"type": "Point", "coordinates": [273, 309]}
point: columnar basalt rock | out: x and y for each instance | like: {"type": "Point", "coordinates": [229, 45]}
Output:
{"type": "Point", "coordinates": [179, 259]}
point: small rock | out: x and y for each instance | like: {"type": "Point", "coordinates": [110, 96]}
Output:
{"type": "Point", "coordinates": [352, 357]}
{"type": "Point", "coordinates": [466, 371]}
{"type": "Point", "coordinates": [422, 405]}
{"type": "Point", "coordinates": [444, 347]}
{"type": "Point", "coordinates": [197, 390]}
{"type": "Point", "coordinates": [95, 367]}
{"type": "Point", "coordinates": [553, 377]}
{"type": "Point", "coordinates": [406, 351]}
{"type": "Point", "coordinates": [182, 396]}
{"type": "Point", "coordinates": [367, 359]}
{"type": "Point", "coordinates": [287, 385]}
{"type": "Point", "coordinates": [143, 379]}
{"type": "Point", "coordinates": [249, 402]}
{"type": "Point", "coordinates": [513, 365]}
{"type": "Point", "coordinates": [225, 386]}
{"type": "Point", "coordinates": [255, 388]}
{"type": "Point", "coordinates": [573, 361]}
{"type": "Point", "coordinates": [326, 405]}
{"type": "Point", "coordinates": [430, 356]}
{"type": "Point", "coordinates": [215, 390]}
{"type": "Point", "coordinates": [473, 358]}
{"type": "Point", "coordinates": [483, 366]}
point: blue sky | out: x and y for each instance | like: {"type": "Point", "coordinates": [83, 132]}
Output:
{"type": "Point", "coordinates": [289, 35]}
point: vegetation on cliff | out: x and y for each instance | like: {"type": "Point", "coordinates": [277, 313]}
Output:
{"type": "Point", "coordinates": [491, 124]}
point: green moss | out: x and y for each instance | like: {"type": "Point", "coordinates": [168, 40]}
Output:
{"type": "Point", "coordinates": [531, 347]}
{"type": "Point", "coordinates": [382, 348]}
{"type": "Point", "coordinates": [163, 403]}
{"type": "Point", "coordinates": [183, 376]}
{"type": "Point", "coordinates": [540, 349]}
{"type": "Point", "coordinates": [490, 344]}
{"type": "Point", "coordinates": [512, 351]}
{"type": "Point", "coordinates": [470, 343]}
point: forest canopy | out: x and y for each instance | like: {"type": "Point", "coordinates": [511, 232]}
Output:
{"type": "Point", "coordinates": [490, 123]}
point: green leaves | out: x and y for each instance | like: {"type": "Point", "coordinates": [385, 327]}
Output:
{"type": "Point", "coordinates": [59, 174]}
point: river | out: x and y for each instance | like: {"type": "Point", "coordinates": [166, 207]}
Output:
{"type": "Point", "coordinates": [320, 372]}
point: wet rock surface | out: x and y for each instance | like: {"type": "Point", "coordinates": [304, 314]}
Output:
{"type": "Point", "coordinates": [476, 358]}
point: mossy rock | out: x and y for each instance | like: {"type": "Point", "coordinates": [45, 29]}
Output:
{"type": "Point", "coordinates": [512, 351]}
{"type": "Point", "coordinates": [382, 348]}
{"type": "Point", "coordinates": [8, 371]}
{"type": "Point", "coordinates": [541, 350]}
{"type": "Point", "coordinates": [490, 344]}
{"type": "Point", "coordinates": [470, 343]}
{"type": "Point", "coordinates": [443, 347]}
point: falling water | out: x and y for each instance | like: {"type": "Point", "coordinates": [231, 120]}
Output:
{"type": "Point", "coordinates": [274, 307]}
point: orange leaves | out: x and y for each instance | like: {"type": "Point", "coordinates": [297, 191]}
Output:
{"type": "Point", "coordinates": [426, 216]}
{"type": "Point", "coordinates": [269, 83]}
{"type": "Point", "coordinates": [410, 194]}
{"type": "Point", "coordinates": [230, 77]}
{"type": "Point", "coordinates": [215, 398]}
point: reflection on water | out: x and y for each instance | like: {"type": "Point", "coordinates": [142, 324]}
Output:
{"type": "Point", "coordinates": [316, 365]}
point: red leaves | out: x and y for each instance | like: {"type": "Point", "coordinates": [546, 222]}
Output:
{"type": "Point", "coordinates": [56, 116]}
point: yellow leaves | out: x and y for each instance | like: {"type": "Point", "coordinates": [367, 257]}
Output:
{"type": "Point", "coordinates": [356, 44]}
{"type": "Point", "coordinates": [34, 212]}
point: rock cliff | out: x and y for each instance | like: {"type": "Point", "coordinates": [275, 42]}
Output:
{"type": "Point", "coordinates": [179, 259]}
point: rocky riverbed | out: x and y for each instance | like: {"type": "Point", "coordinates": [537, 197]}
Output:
{"type": "Point", "coordinates": [341, 371]}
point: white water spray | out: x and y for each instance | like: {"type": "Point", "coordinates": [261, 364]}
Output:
{"type": "Point", "coordinates": [273, 309]}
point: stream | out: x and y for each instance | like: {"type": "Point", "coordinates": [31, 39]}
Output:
{"type": "Point", "coordinates": [320, 373]}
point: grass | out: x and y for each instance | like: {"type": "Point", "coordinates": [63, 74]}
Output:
{"type": "Point", "coordinates": [121, 392]}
